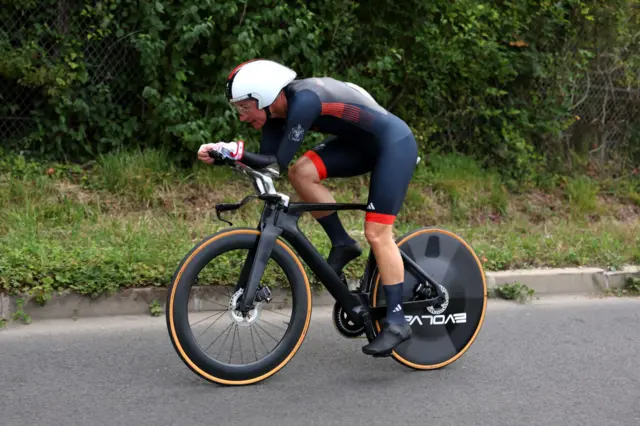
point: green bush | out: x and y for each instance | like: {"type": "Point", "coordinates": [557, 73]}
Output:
{"type": "Point", "coordinates": [487, 79]}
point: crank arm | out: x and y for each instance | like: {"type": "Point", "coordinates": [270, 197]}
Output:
{"type": "Point", "coordinates": [380, 312]}
{"type": "Point", "coordinates": [417, 271]}
{"type": "Point", "coordinates": [365, 318]}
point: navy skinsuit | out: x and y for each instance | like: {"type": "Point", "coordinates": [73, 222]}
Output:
{"type": "Point", "coordinates": [366, 138]}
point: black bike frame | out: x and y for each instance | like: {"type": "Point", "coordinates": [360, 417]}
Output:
{"type": "Point", "coordinates": [281, 221]}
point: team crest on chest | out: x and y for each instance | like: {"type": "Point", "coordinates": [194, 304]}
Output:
{"type": "Point", "coordinates": [297, 133]}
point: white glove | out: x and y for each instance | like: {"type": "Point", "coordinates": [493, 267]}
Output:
{"type": "Point", "coordinates": [234, 149]}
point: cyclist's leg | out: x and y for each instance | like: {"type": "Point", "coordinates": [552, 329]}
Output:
{"type": "Point", "coordinates": [332, 158]}
{"type": "Point", "coordinates": [389, 183]}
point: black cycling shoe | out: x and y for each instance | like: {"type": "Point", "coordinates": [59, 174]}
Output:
{"type": "Point", "coordinates": [339, 256]}
{"type": "Point", "coordinates": [390, 337]}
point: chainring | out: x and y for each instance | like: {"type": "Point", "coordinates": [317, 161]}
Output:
{"type": "Point", "coordinates": [344, 325]}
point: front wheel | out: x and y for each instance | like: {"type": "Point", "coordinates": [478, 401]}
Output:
{"type": "Point", "coordinates": [262, 341]}
{"type": "Point", "coordinates": [440, 334]}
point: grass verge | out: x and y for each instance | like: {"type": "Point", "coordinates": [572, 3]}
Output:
{"type": "Point", "coordinates": [129, 218]}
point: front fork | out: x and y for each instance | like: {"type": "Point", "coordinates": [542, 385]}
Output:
{"type": "Point", "coordinates": [254, 267]}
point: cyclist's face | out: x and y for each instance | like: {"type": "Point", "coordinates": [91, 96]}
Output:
{"type": "Point", "coordinates": [249, 112]}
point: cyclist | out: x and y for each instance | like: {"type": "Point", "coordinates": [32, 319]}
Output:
{"type": "Point", "coordinates": [364, 138]}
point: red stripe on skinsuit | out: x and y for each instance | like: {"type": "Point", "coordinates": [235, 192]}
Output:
{"type": "Point", "coordinates": [317, 161]}
{"type": "Point", "coordinates": [385, 219]}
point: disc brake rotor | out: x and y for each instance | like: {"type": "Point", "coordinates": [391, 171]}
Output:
{"type": "Point", "coordinates": [237, 316]}
{"type": "Point", "coordinates": [438, 309]}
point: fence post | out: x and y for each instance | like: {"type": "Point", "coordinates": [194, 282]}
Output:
{"type": "Point", "coordinates": [5, 306]}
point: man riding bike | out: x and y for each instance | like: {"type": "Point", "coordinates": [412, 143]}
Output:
{"type": "Point", "coordinates": [365, 138]}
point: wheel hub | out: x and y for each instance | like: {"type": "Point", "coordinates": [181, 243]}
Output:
{"type": "Point", "coordinates": [241, 319]}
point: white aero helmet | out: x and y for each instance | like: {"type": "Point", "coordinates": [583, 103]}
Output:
{"type": "Point", "coordinates": [258, 79]}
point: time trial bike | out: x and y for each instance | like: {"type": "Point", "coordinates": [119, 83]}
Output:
{"type": "Point", "coordinates": [445, 292]}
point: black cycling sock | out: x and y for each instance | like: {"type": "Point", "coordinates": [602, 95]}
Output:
{"type": "Point", "coordinates": [395, 314]}
{"type": "Point", "coordinates": [334, 229]}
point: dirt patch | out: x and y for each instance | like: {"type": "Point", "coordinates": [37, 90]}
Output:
{"type": "Point", "coordinates": [75, 192]}
{"type": "Point", "coordinates": [552, 202]}
{"type": "Point", "coordinates": [428, 206]}
{"type": "Point", "coordinates": [537, 206]}
{"type": "Point", "coordinates": [621, 211]}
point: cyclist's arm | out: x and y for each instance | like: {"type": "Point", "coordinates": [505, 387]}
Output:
{"type": "Point", "coordinates": [258, 161]}
{"type": "Point", "coordinates": [271, 134]}
{"type": "Point", "coordinates": [302, 112]}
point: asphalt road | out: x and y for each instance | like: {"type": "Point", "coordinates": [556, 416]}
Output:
{"type": "Point", "coordinates": [561, 361]}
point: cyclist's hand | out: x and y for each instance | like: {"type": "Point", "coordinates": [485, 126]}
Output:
{"type": "Point", "coordinates": [234, 149]}
{"type": "Point", "coordinates": [203, 153]}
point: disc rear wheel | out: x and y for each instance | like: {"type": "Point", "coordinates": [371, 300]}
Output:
{"type": "Point", "coordinates": [442, 333]}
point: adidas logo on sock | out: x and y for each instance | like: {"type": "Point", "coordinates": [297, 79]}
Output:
{"type": "Point", "coordinates": [398, 308]}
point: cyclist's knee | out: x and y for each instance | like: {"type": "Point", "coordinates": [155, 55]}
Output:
{"type": "Point", "coordinates": [378, 233]}
{"type": "Point", "coordinates": [303, 171]}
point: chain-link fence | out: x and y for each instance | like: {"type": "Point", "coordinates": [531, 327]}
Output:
{"type": "Point", "coordinates": [608, 112]}
{"type": "Point", "coordinates": [110, 61]}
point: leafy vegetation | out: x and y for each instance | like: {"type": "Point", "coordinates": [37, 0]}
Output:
{"type": "Point", "coordinates": [631, 287]}
{"type": "Point", "coordinates": [513, 291]}
{"type": "Point", "coordinates": [493, 80]}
